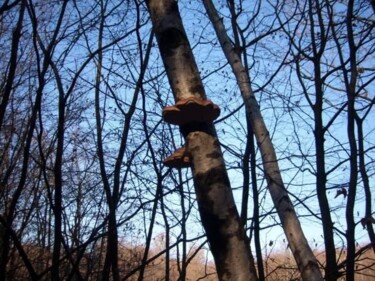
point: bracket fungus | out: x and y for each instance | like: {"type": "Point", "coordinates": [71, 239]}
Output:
{"type": "Point", "coordinates": [191, 110]}
{"type": "Point", "coordinates": [179, 159]}
{"type": "Point", "coordinates": [183, 112]}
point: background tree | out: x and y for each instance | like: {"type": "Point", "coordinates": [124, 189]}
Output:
{"type": "Point", "coordinates": [304, 257]}
{"type": "Point", "coordinates": [320, 69]}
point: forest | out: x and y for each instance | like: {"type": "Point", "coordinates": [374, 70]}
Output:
{"type": "Point", "coordinates": [187, 140]}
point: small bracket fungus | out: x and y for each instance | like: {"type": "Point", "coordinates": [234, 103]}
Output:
{"type": "Point", "coordinates": [179, 159]}
{"type": "Point", "coordinates": [367, 220]}
{"type": "Point", "coordinates": [191, 110]}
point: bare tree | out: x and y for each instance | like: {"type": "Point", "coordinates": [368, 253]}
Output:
{"type": "Point", "coordinates": [89, 188]}
{"type": "Point", "coordinates": [305, 258]}
{"type": "Point", "coordinates": [314, 40]}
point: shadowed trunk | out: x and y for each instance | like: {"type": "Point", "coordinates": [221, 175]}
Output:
{"type": "Point", "coordinates": [350, 83]}
{"type": "Point", "coordinates": [220, 218]}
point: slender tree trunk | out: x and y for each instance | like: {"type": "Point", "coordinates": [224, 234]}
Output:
{"type": "Point", "coordinates": [220, 218]}
{"type": "Point", "coordinates": [331, 269]}
{"type": "Point", "coordinates": [5, 94]}
{"type": "Point", "coordinates": [350, 232]}
{"type": "Point", "coordinates": [351, 81]}
{"type": "Point", "coordinates": [256, 221]}
{"type": "Point", "coordinates": [6, 90]}
{"type": "Point", "coordinates": [8, 87]}
{"type": "Point", "coordinates": [246, 177]}
{"type": "Point", "coordinates": [366, 183]}
{"type": "Point", "coordinates": [167, 242]}
{"type": "Point", "coordinates": [10, 215]}
{"type": "Point", "coordinates": [302, 252]}
{"type": "Point", "coordinates": [249, 158]}
{"type": "Point", "coordinates": [111, 255]}
{"type": "Point", "coordinates": [158, 194]}
{"type": "Point", "coordinates": [57, 204]}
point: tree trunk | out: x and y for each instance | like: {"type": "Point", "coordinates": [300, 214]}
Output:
{"type": "Point", "coordinates": [331, 269]}
{"type": "Point", "coordinates": [220, 218]}
{"type": "Point", "coordinates": [367, 220]}
{"type": "Point", "coordinates": [302, 252]}
{"type": "Point", "coordinates": [8, 84]}
{"type": "Point", "coordinates": [350, 83]}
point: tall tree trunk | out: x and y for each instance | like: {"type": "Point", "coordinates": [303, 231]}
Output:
{"type": "Point", "coordinates": [256, 221]}
{"type": "Point", "coordinates": [219, 215]}
{"type": "Point", "coordinates": [367, 220]}
{"type": "Point", "coordinates": [57, 204]}
{"type": "Point", "coordinates": [318, 34]}
{"type": "Point", "coordinates": [302, 252]}
{"type": "Point", "coordinates": [8, 84]}
{"type": "Point", "coordinates": [331, 270]}
{"type": "Point", "coordinates": [111, 255]}
{"type": "Point", "coordinates": [7, 87]}
{"type": "Point", "coordinates": [350, 83]}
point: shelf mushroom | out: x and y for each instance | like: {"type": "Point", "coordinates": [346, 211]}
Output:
{"type": "Point", "coordinates": [179, 159]}
{"type": "Point", "coordinates": [183, 112]}
{"type": "Point", "coordinates": [191, 110]}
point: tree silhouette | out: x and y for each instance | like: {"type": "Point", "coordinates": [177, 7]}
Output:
{"type": "Point", "coordinates": [103, 178]}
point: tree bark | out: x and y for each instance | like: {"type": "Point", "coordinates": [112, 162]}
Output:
{"type": "Point", "coordinates": [331, 269]}
{"type": "Point", "coordinates": [8, 84]}
{"type": "Point", "coordinates": [301, 250]}
{"type": "Point", "coordinates": [220, 218]}
{"type": "Point", "coordinates": [366, 182]}
{"type": "Point", "coordinates": [350, 83]}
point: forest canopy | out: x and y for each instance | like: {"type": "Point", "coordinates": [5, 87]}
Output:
{"type": "Point", "coordinates": [84, 190]}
